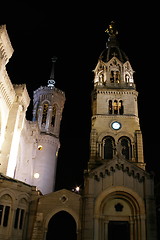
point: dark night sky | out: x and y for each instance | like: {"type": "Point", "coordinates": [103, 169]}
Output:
{"type": "Point", "coordinates": [75, 33]}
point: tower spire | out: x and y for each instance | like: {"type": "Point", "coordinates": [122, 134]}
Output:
{"type": "Point", "coordinates": [51, 81]}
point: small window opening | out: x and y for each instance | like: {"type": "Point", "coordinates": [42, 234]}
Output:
{"type": "Point", "coordinates": [115, 106]}
{"type": "Point", "coordinates": [112, 77]}
{"type": "Point", "coordinates": [21, 219]}
{"type": "Point", "coordinates": [110, 106]}
{"type": "Point", "coordinates": [53, 116]}
{"type": "Point", "coordinates": [16, 218]}
{"type": "Point", "coordinates": [120, 107]}
{"type": "Point", "coordinates": [45, 111]}
{"type": "Point", "coordinates": [115, 77]}
{"type": "Point", "coordinates": [118, 207]}
{"type": "Point", "coordinates": [127, 78]}
{"type": "Point", "coordinates": [6, 216]}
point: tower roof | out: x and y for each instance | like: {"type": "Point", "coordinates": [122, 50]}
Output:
{"type": "Point", "coordinates": [112, 46]}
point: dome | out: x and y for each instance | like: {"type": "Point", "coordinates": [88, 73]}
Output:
{"type": "Point", "coordinates": [113, 49]}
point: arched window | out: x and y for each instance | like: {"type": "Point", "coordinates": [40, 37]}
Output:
{"type": "Point", "coordinates": [115, 77]}
{"type": "Point", "coordinates": [110, 106]}
{"type": "Point", "coordinates": [109, 146]}
{"type": "Point", "coordinates": [53, 115]}
{"type": "Point", "coordinates": [112, 77]}
{"type": "Point", "coordinates": [5, 210]}
{"type": "Point", "coordinates": [101, 78]}
{"type": "Point", "coordinates": [120, 107]}
{"type": "Point", "coordinates": [126, 147]}
{"type": "Point", "coordinates": [115, 106]}
{"type": "Point", "coordinates": [127, 78]}
{"type": "Point", "coordinates": [45, 111]}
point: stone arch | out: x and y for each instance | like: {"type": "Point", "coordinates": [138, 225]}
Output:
{"type": "Point", "coordinates": [8, 192]}
{"type": "Point", "coordinates": [57, 210]}
{"type": "Point", "coordinates": [23, 199]}
{"type": "Point", "coordinates": [116, 137]}
{"type": "Point", "coordinates": [7, 203]}
{"type": "Point", "coordinates": [45, 101]}
{"type": "Point", "coordinates": [69, 210]}
{"type": "Point", "coordinates": [122, 198]}
{"type": "Point", "coordinates": [104, 134]}
{"type": "Point", "coordinates": [68, 225]}
{"type": "Point", "coordinates": [126, 134]}
{"type": "Point", "coordinates": [126, 191]}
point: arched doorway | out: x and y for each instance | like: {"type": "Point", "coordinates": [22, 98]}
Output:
{"type": "Point", "coordinates": [120, 214]}
{"type": "Point", "coordinates": [61, 226]}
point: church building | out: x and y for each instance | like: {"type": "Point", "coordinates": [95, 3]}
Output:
{"type": "Point", "coordinates": [117, 200]}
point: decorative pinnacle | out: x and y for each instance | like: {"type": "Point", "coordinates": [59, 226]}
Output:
{"type": "Point", "coordinates": [111, 30]}
{"type": "Point", "coordinates": [52, 82]}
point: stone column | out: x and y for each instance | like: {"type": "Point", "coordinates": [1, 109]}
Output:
{"type": "Point", "coordinates": [106, 230]}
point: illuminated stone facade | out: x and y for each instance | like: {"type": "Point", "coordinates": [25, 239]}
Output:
{"type": "Point", "coordinates": [118, 196]}
{"type": "Point", "coordinates": [21, 158]}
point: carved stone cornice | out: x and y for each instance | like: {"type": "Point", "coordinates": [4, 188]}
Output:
{"type": "Point", "coordinates": [6, 49]}
{"type": "Point", "coordinates": [112, 166]}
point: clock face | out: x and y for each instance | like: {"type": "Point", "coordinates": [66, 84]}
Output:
{"type": "Point", "coordinates": [116, 125]}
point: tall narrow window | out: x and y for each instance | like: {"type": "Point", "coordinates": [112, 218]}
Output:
{"type": "Point", "coordinates": [6, 216]}
{"type": "Point", "coordinates": [115, 107]}
{"type": "Point", "coordinates": [45, 111]}
{"type": "Point", "coordinates": [112, 77]}
{"type": "Point", "coordinates": [120, 107]}
{"type": "Point", "coordinates": [19, 217]}
{"type": "Point", "coordinates": [108, 147]}
{"type": "Point", "coordinates": [117, 76]}
{"type": "Point", "coordinates": [16, 218]}
{"type": "Point", "coordinates": [126, 147]}
{"type": "Point", "coordinates": [53, 115]}
{"type": "Point", "coordinates": [127, 78]}
{"type": "Point", "coordinates": [110, 106]}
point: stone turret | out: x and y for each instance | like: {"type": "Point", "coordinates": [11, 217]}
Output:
{"type": "Point", "coordinates": [48, 104]}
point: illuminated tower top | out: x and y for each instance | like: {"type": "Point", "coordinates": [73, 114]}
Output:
{"type": "Point", "coordinates": [113, 69]}
{"type": "Point", "coordinates": [48, 104]}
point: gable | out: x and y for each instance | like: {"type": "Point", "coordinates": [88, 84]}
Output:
{"type": "Point", "coordinates": [119, 172]}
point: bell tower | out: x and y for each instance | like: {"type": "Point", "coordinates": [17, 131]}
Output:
{"type": "Point", "coordinates": [48, 104]}
{"type": "Point", "coordinates": [118, 200]}
{"type": "Point", "coordinates": [115, 123]}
